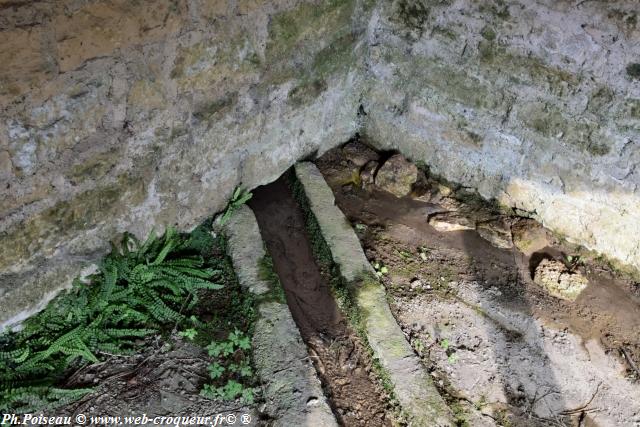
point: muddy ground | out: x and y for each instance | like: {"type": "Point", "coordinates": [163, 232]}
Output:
{"type": "Point", "coordinates": [339, 357]}
{"type": "Point", "coordinates": [501, 348]}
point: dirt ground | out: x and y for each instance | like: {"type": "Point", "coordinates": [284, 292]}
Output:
{"type": "Point", "coordinates": [502, 349]}
{"type": "Point", "coordinates": [165, 380]}
{"type": "Point", "coordinates": [340, 359]}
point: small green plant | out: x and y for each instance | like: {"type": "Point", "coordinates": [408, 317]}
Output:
{"type": "Point", "coordinates": [240, 197]}
{"type": "Point", "coordinates": [419, 346]}
{"type": "Point", "coordinates": [189, 334]}
{"type": "Point", "coordinates": [230, 370]}
{"type": "Point", "coordinates": [404, 254]}
{"type": "Point", "coordinates": [502, 418]}
{"type": "Point", "coordinates": [572, 261]}
{"type": "Point", "coordinates": [141, 289]}
{"type": "Point", "coordinates": [423, 251]}
{"type": "Point", "coordinates": [380, 269]}
{"type": "Point", "coordinates": [445, 344]}
{"type": "Point", "coordinates": [481, 403]}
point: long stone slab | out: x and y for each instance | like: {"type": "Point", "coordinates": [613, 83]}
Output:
{"type": "Point", "coordinates": [292, 391]}
{"type": "Point", "coordinates": [413, 386]}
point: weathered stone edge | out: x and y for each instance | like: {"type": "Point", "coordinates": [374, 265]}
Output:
{"type": "Point", "coordinates": [413, 386]}
{"type": "Point", "coordinates": [292, 391]}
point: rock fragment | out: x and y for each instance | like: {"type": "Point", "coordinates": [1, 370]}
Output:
{"type": "Point", "coordinates": [497, 232]}
{"type": "Point", "coordinates": [558, 280]}
{"type": "Point", "coordinates": [530, 237]}
{"type": "Point", "coordinates": [359, 154]}
{"type": "Point", "coordinates": [368, 173]}
{"type": "Point", "coordinates": [451, 221]}
{"type": "Point", "coordinates": [397, 176]}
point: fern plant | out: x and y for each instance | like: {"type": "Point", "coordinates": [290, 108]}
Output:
{"type": "Point", "coordinates": [141, 288]}
{"type": "Point", "coordinates": [239, 198]}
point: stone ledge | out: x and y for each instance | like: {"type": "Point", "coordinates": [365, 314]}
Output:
{"type": "Point", "coordinates": [412, 384]}
{"type": "Point", "coordinates": [293, 392]}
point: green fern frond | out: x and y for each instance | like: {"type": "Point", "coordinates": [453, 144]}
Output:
{"type": "Point", "coordinates": [119, 333]}
{"type": "Point", "coordinates": [13, 355]}
{"type": "Point", "coordinates": [109, 281]}
{"type": "Point", "coordinates": [140, 288]}
{"type": "Point", "coordinates": [148, 244]}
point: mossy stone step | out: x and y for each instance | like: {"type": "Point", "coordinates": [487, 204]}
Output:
{"type": "Point", "coordinates": [412, 385]}
{"type": "Point", "coordinates": [292, 391]}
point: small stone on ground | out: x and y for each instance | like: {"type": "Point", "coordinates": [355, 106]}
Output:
{"type": "Point", "coordinates": [556, 278]}
{"type": "Point", "coordinates": [397, 176]}
{"type": "Point", "coordinates": [451, 221]}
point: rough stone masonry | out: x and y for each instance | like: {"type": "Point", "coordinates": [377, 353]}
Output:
{"type": "Point", "coordinates": [127, 115]}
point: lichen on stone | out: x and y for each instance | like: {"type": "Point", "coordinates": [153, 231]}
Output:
{"type": "Point", "coordinates": [633, 70]}
{"type": "Point", "coordinates": [306, 92]}
{"type": "Point", "coordinates": [412, 13]}
{"type": "Point", "coordinates": [488, 33]}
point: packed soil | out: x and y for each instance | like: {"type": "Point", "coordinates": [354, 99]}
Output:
{"type": "Point", "coordinates": [502, 350]}
{"type": "Point", "coordinates": [339, 357]}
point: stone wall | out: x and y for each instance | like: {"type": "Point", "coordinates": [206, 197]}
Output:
{"type": "Point", "coordinates": [535, 104]}
{"type": "Point", "coordinates": [126, 115]}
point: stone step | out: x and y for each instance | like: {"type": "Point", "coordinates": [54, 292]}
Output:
{"type": "Point", "coordinates": [292, 391]}
{"type": "Point", "coordinates": [413, 387]}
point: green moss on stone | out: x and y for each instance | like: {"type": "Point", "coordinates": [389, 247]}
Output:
{"type": "Point", "coordinates": [497, 8]}
{"type": "Point", "coordinates": [633, 108]}
{"type": "Point", "coordinates": [209, 109]}
{"type": "Point", "coordinates": [475, 138]}
{"type": "Point", "coordinates": [306, 92]}
{"type": "Point", "coordinates": [445, 32]}
{"type": "Point", "coordinates": [307, 22]}
{"type": "Point", "coordinates": [336, 56]}
{"type": "Point", "coordinates": [600, 99]}
{"type": "Point", "coordinates": [488, 33]}
{"type": "Point", "coordinates": [523, 70]}
{"type": "Point", "coordinates": [450, 82]}
{"type": "Point", "coordinates": [543, 118]}
{"type": "Point", "coordinates": [177, 131]}
{"type": "Point", "coordinates": [68, 217]}
{"type": "Point", "coordinates": [598, 149]}
{"type": "Point", "coordinates": [309, 44]}
{"type": "Point", "coordinates": [267, 273]}
{"type": "Point", "coordinates": [412, 14]}
{"type": "Point", "coordinates": [549, 121]}
{"type": "Point", "coordinates": [95, 167]}
{"type": "Point", "coordinates": [633, 70]}
{"type": "Point", "coordinates": [213, 63]}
